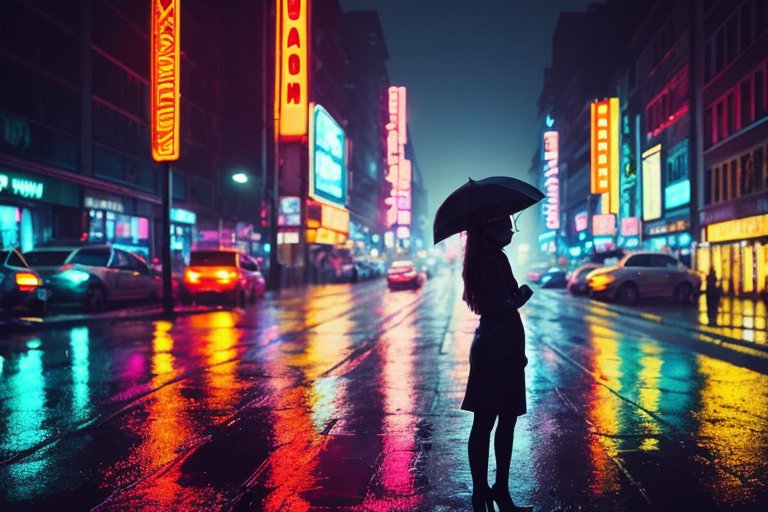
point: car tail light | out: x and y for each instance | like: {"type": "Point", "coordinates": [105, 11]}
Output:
{"type": "Point", "coordinates": [191, 276]}
{"type": "Point", "coordinates": [225, 276]}
{"type": "Point", "coordinates": [27, 281]}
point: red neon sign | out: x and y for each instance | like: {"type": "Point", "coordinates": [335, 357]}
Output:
{"type": "Point", "coordinates": [165, 79]}
{"type": "Point", "coordinates": [292, 55]}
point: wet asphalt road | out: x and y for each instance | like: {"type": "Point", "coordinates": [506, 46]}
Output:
{"type": "Point", "coordinates": [345, 397]}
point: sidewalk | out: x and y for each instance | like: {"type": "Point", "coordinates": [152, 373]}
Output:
{"type": "Point", "coordinates": [739, 321]}
{"type": "Point", "coordinates": [61, 319]}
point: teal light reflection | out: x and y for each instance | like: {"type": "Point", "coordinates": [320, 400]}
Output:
{"type": "Point", "coordinates": [25, 409]}
{"type": "Point", "coordinates": [81, 401]}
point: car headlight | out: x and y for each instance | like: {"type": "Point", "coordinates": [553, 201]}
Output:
{"type": "Point", "coordinates": [601, 281]}
{"type": "Point", "coordinates": [74, 276]}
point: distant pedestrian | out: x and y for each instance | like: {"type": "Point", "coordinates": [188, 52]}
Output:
{"type": "Point", "coordinates": [496, 384]}
{"type": "Point", "coordinates": [713, 293]}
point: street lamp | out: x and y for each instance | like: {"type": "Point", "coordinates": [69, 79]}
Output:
{"type": "Point", "coordinates": [240, 177]}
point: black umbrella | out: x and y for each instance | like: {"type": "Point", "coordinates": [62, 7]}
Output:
{"type": "Point", "coordinates": [478, 202]}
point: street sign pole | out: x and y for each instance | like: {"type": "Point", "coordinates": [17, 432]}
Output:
{"type": "Point", "coordinates": [165, 105]}
{"type": "Point", "coordinates": [166, 241]}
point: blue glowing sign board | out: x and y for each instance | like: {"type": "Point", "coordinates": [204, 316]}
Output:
{"type": "Point", "coordinates": [677, 194]}
{"type": "Point", "coordinates": [327, 159]}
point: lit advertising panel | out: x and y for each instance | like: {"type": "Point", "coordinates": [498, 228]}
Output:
{"type": "Point", "coordinates": [165, 79]}
{"type": "Point", "coordinates": [738, 229]}
{"type": "Point", "coordinates": [292, 97]}
{"type": "Point", "coordinates": [551, 180]}
{"type": "Point", "coordinates": [652, 183]}
{"type": "Point", "coordinates": [678, 194]}
{"type": "Point", "coordinates": [581, 221]}
{"type": "Point", "coordinates": [604, 224]}
{"type": "Point", "coordinates": [399, 171]}
{"type": "Point", "coordinates": [630, 226]}
{"type": "Point", "coordinates": [327, 159]}
{"type": "Point", "coordinates": [604, 139]}
{"type": "Point", "coordinates": [290, 211]}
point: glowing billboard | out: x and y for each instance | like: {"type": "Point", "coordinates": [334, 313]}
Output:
{"type": "Point", "coordinates": [604, 224]}
{"type": "Point", "coordinates": [652, 183]}
{"type": "Point", "coordinates": [327, 159]}
{"type": "Point", "coordinates": [292, 81]}
{"type": "Point", "coordinates": [165, 79]}
{"type": "Point", "coordinates": [604, 138]}
{"type": "Point", "coordinates": [551, 180]}
{"type": "Point", "coordinates": [399, 172]}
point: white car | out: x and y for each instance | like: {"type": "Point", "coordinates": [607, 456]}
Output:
{"type": "Point", "coordinates": [93, 275]}
{"type": "Point", "coordinates": [645, 275]}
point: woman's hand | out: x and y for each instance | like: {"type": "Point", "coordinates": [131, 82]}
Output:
{"type": "Point", "coordinates": [523, 294]}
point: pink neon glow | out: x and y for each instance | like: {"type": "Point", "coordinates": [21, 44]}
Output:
{"type": "Point", "coordinates": [399, 173]}
{"type": "Point", "coordinates": [143, 229]}
{"type": "Point", "coordinates": [581, 221]}
{"type": "Point", "coordinates": [551, 180]}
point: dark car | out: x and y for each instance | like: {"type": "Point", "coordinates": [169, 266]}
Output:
{"type": "Point", "coordinates": [554, 278]}
{"type": "Point", "coordinates": [93, 275]}
{"type": "Point", "coordinates": [18, 282]}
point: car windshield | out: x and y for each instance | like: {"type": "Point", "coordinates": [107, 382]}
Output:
{"type": "Point", "coordinates": [46, 258]}
{"type": "Point", "coordinates": [212, 259]}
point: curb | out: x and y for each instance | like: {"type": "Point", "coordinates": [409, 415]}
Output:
{"type": "Point", "coordinates": [20, 325]}
{"type": "Point", "coordinates": [650, 317]}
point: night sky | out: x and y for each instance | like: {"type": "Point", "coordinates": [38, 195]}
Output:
{"type": "Point", "coordinates": [474, 70]}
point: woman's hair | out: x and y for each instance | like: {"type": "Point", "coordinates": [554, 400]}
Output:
{"type": "Point", "coordinates": [473, 251]}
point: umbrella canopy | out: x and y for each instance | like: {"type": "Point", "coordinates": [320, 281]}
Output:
{"type": "Point", "coordinates": [478, 202]}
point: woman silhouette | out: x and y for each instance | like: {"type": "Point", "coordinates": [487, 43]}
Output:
{"type": "Point", "coordinates": [496, 384]}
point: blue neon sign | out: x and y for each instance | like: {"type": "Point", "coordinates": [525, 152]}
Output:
{"type": "Point", "coordinates": [677, 194]}
{"type": "Point", "coordinates": [328, 169]}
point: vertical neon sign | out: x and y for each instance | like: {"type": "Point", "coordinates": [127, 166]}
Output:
{"type": "Point", "coordinates": [165, 79]}
{"type": "Point", "coordinates": [399, 172]}
{"type": "Point", "coordinates": [292, 55]}
{"type": "Point", "coordinates": [551, 180]}
{"type": "Point", "coordinates": [604, 116]}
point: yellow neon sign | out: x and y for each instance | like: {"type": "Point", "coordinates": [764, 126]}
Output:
{"type": "Point", "coordinates": [738, 229]}
{"type": "Point", "coordinates": [292, 96]}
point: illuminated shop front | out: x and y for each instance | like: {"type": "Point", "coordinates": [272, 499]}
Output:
{"type": "Point", "coordinates": [34, 209]}
{"type": "Point", "coordinates": [182, 230]}
{"type": "Point", "coordinates": [109, 221]}
{"type": "Point", "coordinates": [737, 249]}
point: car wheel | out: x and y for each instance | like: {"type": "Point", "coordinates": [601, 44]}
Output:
{"type": "Point", "coordinates": [95, 299]}
{"type": "Point", "coordinates": [683, 294]}
{"type": "Point", "coordinates": [628, 294]}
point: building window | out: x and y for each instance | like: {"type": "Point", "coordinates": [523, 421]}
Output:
{"type": "Point", "coordinates": [708, 128]}
{"type": "Point", "coordinates": [746, 103]}
{"type": "Point", "coordinates": [719, 50]}
{"type": "Point", "coordinates": [731, 40]}
{"type": "Point", "coordinates": [719, 122]}
{"type": "Point", "coordinates": [761, 169]}
{"type": "Point", "coordinates": [716, 184]}
{"type": "Point", "coordinates": [746, 25]}
{"type": "Point", "coordinates": [733, 189]}
{"type": "Point", "coordinates": [759, 94]}
{"type": "Point", "coordinates": [730, 114]}
{"type": "Point", "coordinates": [708, 186]}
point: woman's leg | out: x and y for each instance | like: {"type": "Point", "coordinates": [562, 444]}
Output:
{"type": "Point", "coordinates": [478, 448]}
{"type": "Point", "coordinates": [502, 444]}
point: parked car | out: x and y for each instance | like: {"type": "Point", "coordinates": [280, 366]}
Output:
{"type": "Point", "coordinates": [554, 278]}
{"type": "Point", "coordinates": [645, 275]}
{"type": "Point", "coordinates": [536, 272]}
{"type": "Point", "coordinates": [18, 282]}
{"type": "Point", "coordinates": [93, 275]}
{"type": "Point", "coordinates": [577, 280]}
{"type": "Point", "coordinates": [224, 273]}
{"type": "Point", "coordinates": [403, 274]}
